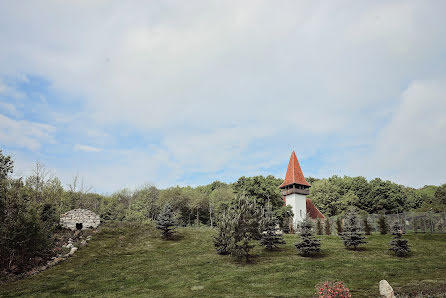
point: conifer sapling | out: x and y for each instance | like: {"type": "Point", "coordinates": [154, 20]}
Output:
{"type": "Point", "coordinates": [339, 225]}
{"type": "Point", "coordinates": [367, 227]}
{"type": "Point", "coordinates": [271, 235]}
{"type": "Point", "coordinates": [382, 223]}
{"type": "Point", "coordinates": [166, 222]}
{"type": "Point", "coordinates": [319, 229]}
{"type": "Point", "coordinates": [398, 245]}
{"type": "Point", "coordinates": [223, 239]}
{"type": "Point", "coordinates": [352, 235]}
{"type": "Point", "coordinates": [327, 226]}
{"type": "Point", "coordinates": [309, 244]}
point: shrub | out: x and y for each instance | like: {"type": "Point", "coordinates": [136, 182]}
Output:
{"type": "Point", "coordinates": [223, 239]}
{"type": "Point", "coordinates": [319, 228]}
{"type": "Point", "coordinates": [367, 227]}
{"type": "Point", "coordinates": [398, 245]}
{"type": "Point", "coordinates": [332, 289]}
{"type": "Point", "coordinates": [382, 223]}
{"type": "Point", "coordinates": [309, 245]}
{"type": "Point", "coordinates": [339, 225]}
{"type": "Point", "coordinates": [352, 235]}
{"type": "Point", "coordinates": [271, 235]}
{"type": "Point", "coordinates": [166, 222]}
{"type": "Point", "coordinates": [327, 226]}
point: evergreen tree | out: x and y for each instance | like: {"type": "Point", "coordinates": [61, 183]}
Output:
{"type": "Point", "coordinates": [166, 222]}
{"type": "Point", "coordinates": [398, 245]}
{"type": "Point", "coordinates": [271, 235]}
{"type": "Point", "coordinates": [223, 239]}
{"type": "Point", "coordinates": [319, 228]}
{"type": "Point", "coordinates": [245, 227]}
{"type": "Point", "coordinates": [339, 225]}
{"type": "Point", "coordinates": [309, 244]}
{"type": "Point", "coordinates": [352, 235]}
{"type": "Point", "coordinates": [382, 223]}
{"type": "Point", "coordinates": [327, 226]}
{"type": "Point", "coordinates": [367, 227]}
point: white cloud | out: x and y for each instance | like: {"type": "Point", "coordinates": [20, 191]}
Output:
{"type": "Point", "coordinates": [24, 134]}
{"type": "Point", "coordinates": [86, 148]}
{"type": "Point", "coordinates": [211, 79]}
{"type": "Point", "coordinates": [8, 108]}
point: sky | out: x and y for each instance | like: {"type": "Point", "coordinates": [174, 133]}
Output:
{"type": "Point", "coordinates": [125, 93]}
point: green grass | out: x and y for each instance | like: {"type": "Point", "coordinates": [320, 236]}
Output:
{"type": "Point", "coordinates": [132, 260]}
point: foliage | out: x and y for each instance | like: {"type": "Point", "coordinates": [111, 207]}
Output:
{"type": "Point", "coordinates": [339, 226]}
{"type": "Point", "coordinates": [382, 223]}
{"type": "Point", "coordinates": [334, 195]}
{"type": "Point", "coordinates": [244, 220]}
{"type": "Point", "coordinates": [399, 246]}
{"type": "Point", "coordinates": [309, 245]}
{"type": "Point", "coordinates": [352, 235]}
{"type": "Point", "coordinates": [223, 239]}
{"type": "Point", "coordinates": [319, 227]}
{"type": "Point", "coordinates": [284, 215]}
{"type": "Point", "coordinates": [271, 234]}
{"type": "Point", "coordinates": [166, 222]}
{"type": "Point", "coordinates": [327, 226]}
{"type": "Point", "coordinates": [367, 226]}
{"type": "Point", "coordinates": [6, 166]}
{"type": "Point", "coordinates": [330, 289]}
{"type": "Point", "coordinates": [263, 189]}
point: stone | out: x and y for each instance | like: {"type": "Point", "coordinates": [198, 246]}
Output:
{"type": "Point", "coordinates": [69, 245]}
{"type": "Point", "coordinates": [79, 219]}
{"type": "Point", "coordinates": [385, 290]}
{"type": "Point", "coordinates": [72, 251]}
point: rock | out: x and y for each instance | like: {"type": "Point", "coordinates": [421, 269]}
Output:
{"type": "Point", "coordinates": [196, 288]}
{"type": "Point", "coordinates": [385, 290]}
{"type": "Point", "coordinates": [72, 251]}
{"type": "Point", "coordinates": [69, 245]}
{"type": "Point", "coordinates": [84, 243]}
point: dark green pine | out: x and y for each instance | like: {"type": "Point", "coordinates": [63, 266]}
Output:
{"type": "Point", "coordinates": [271, 235]}
{"type": "Point", "coordinates": [352, 235]}
{"type": "Point", "coordinates": [399, 246]}
{"type": "Point", "coordinates": [309, 245]}
{"type": "Point", "coordinates": [166, 222]}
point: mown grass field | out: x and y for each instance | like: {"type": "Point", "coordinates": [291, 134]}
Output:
{"type": "Point", "coordinates": [132, 260]}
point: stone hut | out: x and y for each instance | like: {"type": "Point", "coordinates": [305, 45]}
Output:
{"type": "Point", "coordinates": [79, 219]}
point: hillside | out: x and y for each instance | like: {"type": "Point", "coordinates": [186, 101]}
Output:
{"type": "Point", "coordinates": [132, 260]}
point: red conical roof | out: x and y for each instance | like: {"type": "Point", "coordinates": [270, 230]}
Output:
{"type": "Point", "coordinates": [294, 173]}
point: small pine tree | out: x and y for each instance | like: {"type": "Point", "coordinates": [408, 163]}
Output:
{"type": "Point", "coordinates": [398, 245]}
{"type": "Point", "coordinates": [352, 235]}
{"type": "Point", "coordinates": [271, 235]}
{"type": "Point", "coordinates": [327, 226]}
{"type": "Point", "coordinates": [166, 222]}
{"type": "Point", "coordinates": [339, 225]}
{"type": "Point", "coordinates": [244, 222]}
{"type": "Point", "coordinates": [382, 223]}
{"type": "Point", "coordinates": [319, 228]}
{"type": "Point", "coordinates": [309, 244]}
{"type": "Point", "coordinates": [223, 239]}
{"type": "Point", "coordinates": [367, 226]}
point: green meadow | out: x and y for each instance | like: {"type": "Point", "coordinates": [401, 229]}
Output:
{"type": "Point", "coordinates": [132, 260]}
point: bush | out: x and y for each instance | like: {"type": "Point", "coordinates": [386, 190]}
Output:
{"type": "Point", "coordinates": [332, 289]}
{"type": "Point", "coordinates": [309, 245]}
{"type": "Point", "coordinates": [398, 245]}
{"type": "Point", "coordinates": [339, 225]}
{"type": "Point", "coordinates": [271, 234]}
{"type": "Point", "coordinates": [319, 228]}
{"type": "Point", "coordinates": [327, 226]}
{"type": "Point", "coordinates": [382, 223]}
{"type": "Point", "coordinates": [223, 239]}
{"type": "Point", "coordinates": [367, 227]}
{"type": "Point", "coordinates": [166, 222]}
{"type": "Point", "coordinates": [352, 235]}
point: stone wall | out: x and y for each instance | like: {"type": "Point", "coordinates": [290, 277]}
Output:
{"type": "Point", "coordinates": [79, 219]}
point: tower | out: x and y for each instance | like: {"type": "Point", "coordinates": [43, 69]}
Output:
{"type": "Point", "coordinates": [294, 190]}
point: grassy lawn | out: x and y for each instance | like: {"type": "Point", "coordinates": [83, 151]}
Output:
{"type": "Point", "coordinates": [132, 260]}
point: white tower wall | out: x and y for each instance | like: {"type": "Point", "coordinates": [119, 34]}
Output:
{"type": "Point", "coordinates": [298, 203]}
